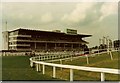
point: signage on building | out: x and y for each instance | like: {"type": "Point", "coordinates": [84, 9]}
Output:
{"type": "Point", "coordinates": [71, 31]}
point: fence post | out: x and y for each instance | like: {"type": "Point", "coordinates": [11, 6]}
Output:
{"type": "Point", "coordinates": [31, 63]}
{"type": "Point", "coordinates": [54, 71]}
{"type": "Point", "coordinates": [102, 76]}
{"type": "Point", "coordinates": [111, 55]}
{"type": "Point", "coordinates": [37, 68]}
{"type": "Point", "coordinates": [61, 63]}
{"type": "Point", "coordinates": [43, 69]}
{"type": "Point", "coordinates": [71, 74]}
{"type": "Point", "coordinates": [87, 59]}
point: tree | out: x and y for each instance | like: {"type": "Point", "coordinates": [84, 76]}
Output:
{"type": "Point", "coordinates": [102, 46]}
{"type": "Point", "coordinates": [116, 44]}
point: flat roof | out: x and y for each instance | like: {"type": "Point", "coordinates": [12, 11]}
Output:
{"type": "Point", "coordinates": [62, 33]}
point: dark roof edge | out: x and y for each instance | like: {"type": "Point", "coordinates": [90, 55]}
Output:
{"type": "Point", "coordinates": [51, 32]}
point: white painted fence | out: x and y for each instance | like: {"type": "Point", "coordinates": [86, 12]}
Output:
{"type": "Point", "coordinates": [71, 67]}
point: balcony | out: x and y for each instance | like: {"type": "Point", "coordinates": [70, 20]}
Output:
{"type": "Point", "coordinates": [20, 36]}
{"type": "Point", "coordinates": [20, 40]}
{"type": "Point", "coordinates": [19, 45]}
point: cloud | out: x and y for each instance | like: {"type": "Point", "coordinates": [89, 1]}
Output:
{"type": "Point", "coordinates": [108, 9]}
{"type": "Point", "coordinates": [47, 18]}
{"type": "Point", "coordinates": [79, 13]}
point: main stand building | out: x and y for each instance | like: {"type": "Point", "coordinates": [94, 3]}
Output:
{"type": "Point", "coordinates": [36, 40]}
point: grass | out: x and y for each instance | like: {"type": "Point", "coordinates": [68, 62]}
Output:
{"type": "Point", "coordinates": [101, 61]}
{"type": "Point", "coordinates": [17, 68]}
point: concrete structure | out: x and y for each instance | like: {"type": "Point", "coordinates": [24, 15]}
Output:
{"type": "Point", "coordinates": [26, 40]}
{"type": "Point", "coordinates": [5, 40]}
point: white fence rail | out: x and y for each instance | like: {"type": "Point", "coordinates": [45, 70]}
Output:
{"type": "Point", "coordinates": [71, 67]}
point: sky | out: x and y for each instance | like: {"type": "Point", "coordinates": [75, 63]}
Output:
{"type": "Point", "coordinates": [93, 18]}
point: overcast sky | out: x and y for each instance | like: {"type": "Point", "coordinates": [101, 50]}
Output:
{"type": "Point", "coordinates": [95, 18]}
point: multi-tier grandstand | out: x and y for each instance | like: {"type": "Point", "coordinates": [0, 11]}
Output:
{"type": "Point", "coordinates": [36, 40]}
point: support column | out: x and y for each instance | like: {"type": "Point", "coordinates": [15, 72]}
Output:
{"type": "Point", "coordinates": [55, 45]}
{"type": "Point", "coordinates": [79, 45]}
{"type": "Point", "coordinates": [46, 46]}
{"type": "Point", "coordinates": [35, 45]}
{"type": "Point", "coordinates": [64, 46]}
{"type": "Point", "coordinates": [72, 46]}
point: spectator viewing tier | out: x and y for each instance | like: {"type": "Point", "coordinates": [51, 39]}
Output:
{"type": "Point", "coordinates": [26, 39]}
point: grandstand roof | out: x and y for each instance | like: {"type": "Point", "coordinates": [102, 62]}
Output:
{"type": "Point", "coordinates": [51, 32]}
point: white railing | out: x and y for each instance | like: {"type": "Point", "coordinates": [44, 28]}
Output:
{"type": "Point", "coordinates": [71, 67]}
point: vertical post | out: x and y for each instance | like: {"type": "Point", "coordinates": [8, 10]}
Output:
{"type": "Point", "coordinates": [87, 59]}
{"type": "Point", "coordinates": [109, 51]}
{"type": "Point", "coordinates": [44, 57]}
{"type": "Point", "coordinates": [111, 55]}
{"type": "Point", "coordinates": [46, 46]}
{"type": "Point", "coordinates": [71, 74]}
{"type": "Point", "coordinates": [102, 76]}
{"type": "Point", "coordinates": [43, 69]}
{"type": "Point", "coordinates": [55, 45]}
{"type": "Point", "coordinates": [54, 72]}
{"type": "Point", "coordinates": [71, 58]}
{"type": "Point", "coordinates": [100, 42]}
{"type": "Point", "coordinates": [72, 46]}
{"type": "Point", "coordinates": [79, 46]}
{"type": "Point", "coordinates": [61, 63]}
{"type": "Point", "coordinates": [31, 63]}
{"type": "Point", "coordinates": [37, 68]}
{"type": "Point", "coordinates": [35, 45]}
{"type": "Point", "coordinates": [64, 46]}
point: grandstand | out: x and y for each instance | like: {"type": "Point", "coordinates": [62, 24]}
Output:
{"type": "Point", "coordinates": [36, 40]}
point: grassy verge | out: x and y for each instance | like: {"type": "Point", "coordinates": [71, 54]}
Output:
{"type": "Point", "coordinates": [101, 61]}
{"type": "Point", "coordinates": [17, 68]}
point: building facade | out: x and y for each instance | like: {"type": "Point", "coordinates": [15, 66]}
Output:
{"type": "Point", "coordinates": [29, 40]}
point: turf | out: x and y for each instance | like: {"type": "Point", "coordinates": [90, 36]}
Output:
{"type": "Point", "coordinates": [100, 61]}
{"type": "Point", "coordinates": [17, 68]}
